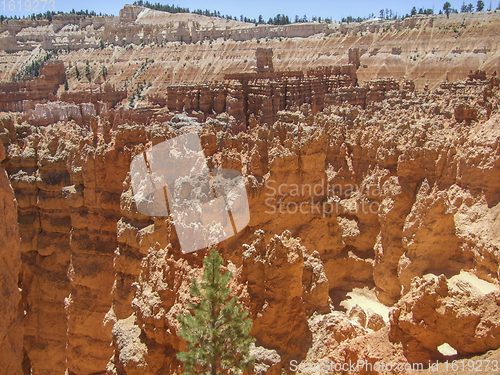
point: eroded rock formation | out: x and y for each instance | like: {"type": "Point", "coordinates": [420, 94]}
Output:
{"type": "Point", "coordinates": [354, 196]}
{"type": "Point", "coordinates": [136, 24]}
{"type": "Point", "coordinates": [11, 327]}
{"type": "Point", "coordinates": [14, 95]}
{"type": "Point", "coordinates": [175, 49]}
{"type": "Point", "coordinates": [462, 312]}
{"type": "Point", "coordinates": [261, 95]}
{"type": "Point", "coordinates": [374, 199]}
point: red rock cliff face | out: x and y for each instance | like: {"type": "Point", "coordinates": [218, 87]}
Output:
{"type": "Point", "coordinates": [37, 90]}
{"type": "Point", "coordinates": [261, 95]}
{"type": "Point", "coordinates": [343, 199]}
{"type": "Point", "coordinates": [11, 328]}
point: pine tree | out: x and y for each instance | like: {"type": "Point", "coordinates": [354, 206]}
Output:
{"type": "Point", "coordinates": [217, 333]}
{"type": "Point", "coordinates": [447, 9]}
{"type": "Point", "coordinates": [88, 73]}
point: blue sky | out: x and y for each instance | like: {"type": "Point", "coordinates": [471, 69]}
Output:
{"type": "Point", "coordinates": [324, 8]}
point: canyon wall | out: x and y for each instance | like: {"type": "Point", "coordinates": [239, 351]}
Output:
{"type": "Point", "coordinates": [173, 49]}
{"type": "Point", "coordinates": [11, 327]}
{"type": "Point", "coordinates": [370, 154]}
{"type": "Point", "coordinates": [260, 95]}
{"type": "Point", "coordinates": [345, 202]}
{"type": "Point", "coordinates": [13, 94]}
{"type": "Point", "coordinates": [139, 25]}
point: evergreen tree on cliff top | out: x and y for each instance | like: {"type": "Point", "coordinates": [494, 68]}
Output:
{"type": "Point", "coordinates": [217, 332]}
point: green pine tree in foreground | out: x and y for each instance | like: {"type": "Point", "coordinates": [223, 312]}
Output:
{"type": "Point", "coordinates": [217, 332]}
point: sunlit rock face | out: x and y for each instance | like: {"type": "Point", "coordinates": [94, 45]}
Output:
{"type": "Point", "coordinates": [373, 204]}
{"type": "Point", "coordinates": [11, 327]}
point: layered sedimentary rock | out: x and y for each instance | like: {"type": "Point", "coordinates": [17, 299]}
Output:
{"type": "Point", "coordinates": [68, 238]}
{"type": "Point", "coordinates": [39, 103]}
{"type": "Point", "coordinates": [374, 198]}
{"type": "Point", "coordinates": [462, 311]}
{"type": "Point", "coordinates": [279, 317]}
{"type": "Point", "coordinates": [264, 57]}
{"type": "Point", "coordinates": [11, 327]}
{"type": "Point", "coordinates": [263, 94]}
{"type": "Point", "coordinates": [192, 49]}
{"type": "Point", "coordinates": [260, 96]}
{"type": "Point", "coordinates": [107, 94]}
{"type": "Point", "coordinates": [138, 25]}
{"type": "Point", "coordinates": [347, 205]}
{"type": "Point", "coordinates": [37, 90]}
